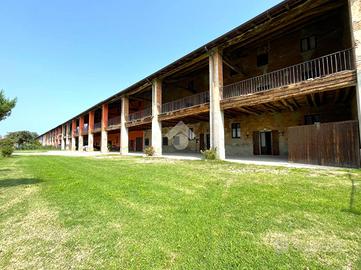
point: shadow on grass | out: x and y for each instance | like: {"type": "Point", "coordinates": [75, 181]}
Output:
{"type": "Point", "coordinates": [18, 182]}
{"type": "Point", "coordinates": [352, 209]}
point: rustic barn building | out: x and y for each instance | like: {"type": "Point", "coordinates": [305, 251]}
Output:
{"type": "Point", "coordinates": [286, 83]}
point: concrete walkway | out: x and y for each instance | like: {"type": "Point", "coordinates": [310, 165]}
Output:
{"type": "Point", "coordinates": [260, 160]}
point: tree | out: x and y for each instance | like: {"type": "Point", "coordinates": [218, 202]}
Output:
{"type": "Point", "coordinates": [6, 105]}
{"type": "Point", "coordinates": [23, 138]}
{"type": "Point", "coordinates": [6, 147]}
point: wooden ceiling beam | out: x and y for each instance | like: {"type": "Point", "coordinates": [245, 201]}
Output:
{"type": "Point", "coordinates": [288, 105]}
{"type": "Point", "coordinates": [242, 109]}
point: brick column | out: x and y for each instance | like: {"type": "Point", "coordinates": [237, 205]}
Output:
{"type": "Point", "coordinates": [124, 140]}
{"type": "Point", "coordinates": [73, 128]}
{"type": "Point", "coordinates": [156, 124]}
{"type": "Point", "coordinates": [67, 136]}
{"type": "Point", "coordinates": [355, 27]}
{"type": "Point", "coordinates": [90, 132]}
{"type": "Point", "coordinates": [80, 136]}
{"type": "Point", "coordinates": [62, 137]}
{"type": "Point", "coordinates": [104, 134]}
{"type": "Point", "coordinates": [216, 117]}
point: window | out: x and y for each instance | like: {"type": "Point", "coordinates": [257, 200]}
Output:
{"type": "Point", "coordinates": [146, 142]}
{"type": "Point", "coordinates": [312, 119]}
{"type": "Point", "coordinates": [262, 59]}
{"type": "Point", "coordinates": [236, 130]}
{"type": "Point", "coordinates": [165, 141]}
{"type": "Point", "coordinates": [308, 43]}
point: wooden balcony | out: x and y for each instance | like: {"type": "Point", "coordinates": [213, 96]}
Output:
{"type": "Point", "coordinates": [186, 106]}
{"type": "Point", "coordinates": [329, 72]}
{"type": "Point", "coordinates": [114, 123]}
{"type": "Point", "coordinates": [140, 117]}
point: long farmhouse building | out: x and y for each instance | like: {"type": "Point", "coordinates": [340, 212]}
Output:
{"type": "Point", "coordinates": [286, 83]}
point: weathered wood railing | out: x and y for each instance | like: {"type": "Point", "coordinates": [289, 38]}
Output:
{"type": "Point", "coordinates": [114, 121]}
{"type": "Point", "coordinates": [186, 102]}
{"type": "Point", "coordinates": [140, 114]}
{"type": "Point", "coordinates": [316, 68]}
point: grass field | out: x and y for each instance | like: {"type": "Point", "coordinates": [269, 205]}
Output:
{"type": "Point", "coordinates": [138, 213]}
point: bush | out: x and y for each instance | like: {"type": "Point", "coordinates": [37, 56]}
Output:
{"type": "Point", "coordinates": [6, 147]}
{"type": "Point", "coordinates": [149, 151]}
{"type": "Point", "coordinates": [210, 154]}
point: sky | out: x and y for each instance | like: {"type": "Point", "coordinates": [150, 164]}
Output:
{"type": "Point", "coordinates": [60, 57]}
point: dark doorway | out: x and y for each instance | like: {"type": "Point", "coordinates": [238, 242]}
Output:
{"type": "Point", "coordinates": [208, 141]}
{"type": "Point", "coordinates": [139, 144]}
{"type": "Point", "coordinates": [201, 142]}
{"type": "Point", "coordinates": [131, 145]}
{"type": "Point", "coordinates": [266, 142]}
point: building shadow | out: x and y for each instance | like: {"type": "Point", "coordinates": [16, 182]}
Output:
{"type": "Point", "coordinates": [353, 196]}
{"type": "Point", "coordinates": [4, 183]}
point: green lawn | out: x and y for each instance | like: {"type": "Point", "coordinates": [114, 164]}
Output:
{"type": "Point", "coordinates": [137, 213]}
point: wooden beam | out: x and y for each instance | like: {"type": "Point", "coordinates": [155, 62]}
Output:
{"type": "Point", "coordinates": [246, 111]}
{"type": "Point", "coordinates": [227, 62]}
{"type": "Point", "coordinates": [289, 106]}
{"type": "Point", "coordinates": [294, 101]}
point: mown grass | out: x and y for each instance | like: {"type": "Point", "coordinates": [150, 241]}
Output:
{"type": "Point", "coordinates": [143, 213]}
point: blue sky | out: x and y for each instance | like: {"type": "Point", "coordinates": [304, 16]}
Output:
{"type": "Point", "coordinates": [60, 57]}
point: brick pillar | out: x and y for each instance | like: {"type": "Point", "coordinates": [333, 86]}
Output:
{"type": "Point", "coordinates": [62, 137]}
{"type": "Point", "coordinates": [80, 136]}
{"type": "Point", "coordinates": [104, 134]}
{"type": "Point", "coordinates": [216, 116]}
{"type": "Point", "coordinates": [90, 132]}
{"type": "Point", "coordinates": [73, 128]}
{"type": "Point", "coordinates": [67, 136]}
{"type": "Point", "coordinates": [156, 124]}
{"type": "Point", "coordinates": [124, 140]}
{"type": "Point", "coordinates": [355, 27]}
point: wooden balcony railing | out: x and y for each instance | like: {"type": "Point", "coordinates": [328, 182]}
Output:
{"type": "Point", "coordinates": [140, 114]}
{"type": "Point", "coordinates": [186, 102]}
{"type": "Point", "coordinates": [114, 121]}
{"type": "Point", "coordinates": [313, 69]}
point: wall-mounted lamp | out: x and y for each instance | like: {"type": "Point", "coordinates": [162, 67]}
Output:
{"type": "Point", "coordinates": [247, 134]}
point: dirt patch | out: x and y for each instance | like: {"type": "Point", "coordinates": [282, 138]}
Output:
{"type": "Point", "coordinates": [326, 247]}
